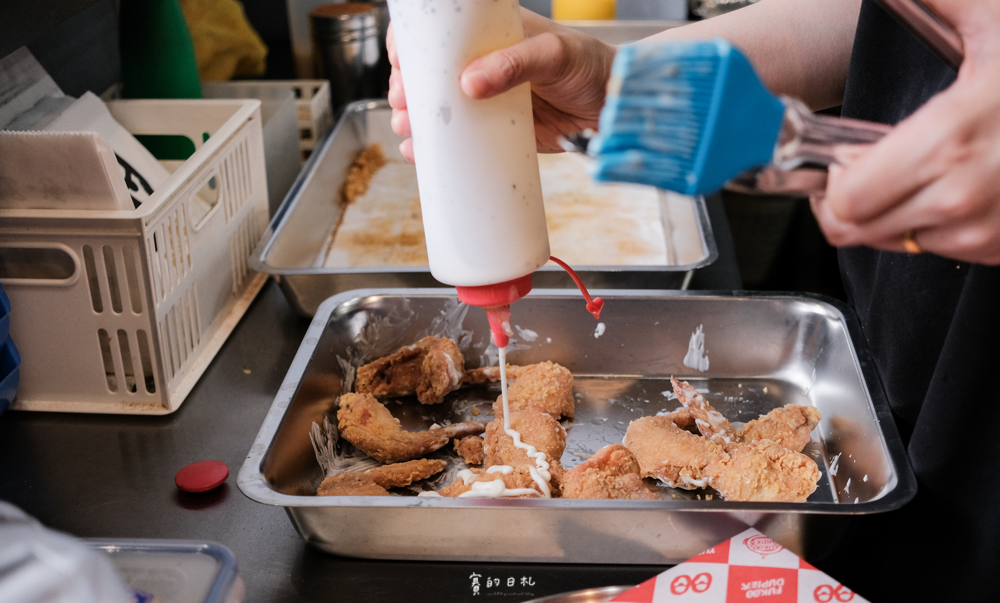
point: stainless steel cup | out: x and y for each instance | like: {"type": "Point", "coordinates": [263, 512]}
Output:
{"type": "Point", "coordinates": [346, 50]}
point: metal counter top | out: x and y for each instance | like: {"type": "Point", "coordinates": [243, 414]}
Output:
{"type": "Point", "coordinates": [103, 476]}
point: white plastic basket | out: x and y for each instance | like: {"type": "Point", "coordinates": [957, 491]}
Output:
{"type": "Point", "coordinates": [122, 311]}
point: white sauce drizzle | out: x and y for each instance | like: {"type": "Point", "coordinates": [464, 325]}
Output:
{"type": "Point", "coordinates": [696, 357]}
{"type": "Point", "coordinates": [698, 483]}
{"type": "Point", "coordinates": [497, 488]}
{"type": "Point", "coordinates": [526, 334]}
{"type": "Point", "coordinates": [599, 330]}
{"type": "Point", "coordinates": [834, 462]}
{"type": "Point", "coordinates": [455, 376]}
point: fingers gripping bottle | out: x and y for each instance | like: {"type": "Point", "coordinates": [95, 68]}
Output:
{"type": "Point", "coordinates": [477, 169]}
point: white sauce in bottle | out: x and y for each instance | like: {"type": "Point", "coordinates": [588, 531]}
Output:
{"type": "Point", "coordinates": [476, 160]}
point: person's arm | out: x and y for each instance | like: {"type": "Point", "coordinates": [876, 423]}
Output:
{"type": "Point", "coordinates": [937, 174]}
{"type": "Point", "coordinates": [800, 48]}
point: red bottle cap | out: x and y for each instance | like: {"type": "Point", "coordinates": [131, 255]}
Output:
{"type": "Point", "coordinates": [500, 294]}
{"type": "Point", "coordinates": [497, 300]}
{"type": "Point", "coordinates": [202, 476]}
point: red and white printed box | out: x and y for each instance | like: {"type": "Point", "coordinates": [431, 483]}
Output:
{"type": "Point", "coordinates": [747, 567]}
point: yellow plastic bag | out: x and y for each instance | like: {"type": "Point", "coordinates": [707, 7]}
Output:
{"type": "Point", "coordinates": [225, 45]}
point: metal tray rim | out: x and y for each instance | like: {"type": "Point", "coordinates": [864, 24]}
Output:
{"type": "Point", "coordinates": [253, 484]}
{"type": "Point", "coordinates": [258, 259]}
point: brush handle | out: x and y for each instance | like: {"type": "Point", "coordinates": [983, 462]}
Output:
{"type": "Point", "coordinates": [929, 27]}
{"type": "Point", "coordinates": [804, 150]}
{"type": "Point", "coordinates": [808, 139]}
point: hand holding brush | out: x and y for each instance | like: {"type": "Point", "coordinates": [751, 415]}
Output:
{"type": "Point", "coordinates": [690, 116]}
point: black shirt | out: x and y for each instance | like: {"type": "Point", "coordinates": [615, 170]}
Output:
{"type": "Point", "coordinates": [933, 327]}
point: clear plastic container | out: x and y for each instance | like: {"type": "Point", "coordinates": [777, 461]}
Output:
{"type": "Point", "coordinates": [176, 571]}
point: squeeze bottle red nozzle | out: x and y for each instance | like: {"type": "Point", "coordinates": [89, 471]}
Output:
{"type": "Point", "coordinates": [497, 298]}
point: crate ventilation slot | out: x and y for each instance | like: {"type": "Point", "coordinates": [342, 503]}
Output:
{"type": "Point", "coordinates": [123, 356]}
{"type": "Point", "coordinates": [170, 249]}
{"type": "Point", "coordinates": [236, 171]}
{"type": "Point", "coordinates": [112, 279]}
{"type": "Point", "coordinates": [241, 245]}
{"type": "Point", "coordinates": [181, 332]}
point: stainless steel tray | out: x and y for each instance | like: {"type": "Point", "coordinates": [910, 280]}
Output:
{"type": "Point", "coordinates": [292, 246]}
{"type": "Point", "coordinates": [764, 351]}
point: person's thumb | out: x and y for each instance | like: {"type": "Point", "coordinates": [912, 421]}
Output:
{"type": "Point", "coordinates": [529, 60]}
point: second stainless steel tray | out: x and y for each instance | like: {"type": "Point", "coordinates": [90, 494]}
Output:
{"type": "Point", "coordinates": [765, 351]}
{"type": "Point", "coordinates": [292, 245]}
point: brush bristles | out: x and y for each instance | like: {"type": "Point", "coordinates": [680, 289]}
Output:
{"type": "Point", "coordinates": [656, 113]}
{"type": "Point", "coordinates": [685, 116]}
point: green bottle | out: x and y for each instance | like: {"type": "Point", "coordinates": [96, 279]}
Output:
{"type": "Point", "coordinates": [157, 53]}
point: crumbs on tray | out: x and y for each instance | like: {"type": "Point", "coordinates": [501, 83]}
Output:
{"type": "Point", "coordinates": [359, 177]}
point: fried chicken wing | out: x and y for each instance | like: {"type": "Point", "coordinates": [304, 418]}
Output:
{"type": "Point", "coordinates": [352, 483]}
{"type": "Point", "coordinates": [470, 449]}
{"type": "Point", "coordinates": [546, 384]}
{"type": "Point", "coordinates": [368, 424]}
{"type": "Point", "coordinates": [789, 426]}
{"type": "Point", "coordinates": [763, 471]}
{"type": "Point", "coordinates": [613, 472]}
{"type": "Point", "coordinates": [672, 455]}
{"type": "Point", "coordinates": [683, 418]}
{"type": "Point", "coordinates": [710, 422]}
{"type": "Point", "coordinates": [397, 475]}
{"type": "Point", "coordinates": [430, 368]}
{"type": "Point", "coordinates": [536, 428]}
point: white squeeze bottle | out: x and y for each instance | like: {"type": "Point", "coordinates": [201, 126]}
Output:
{"type": "Point", "coordinates": [477, 169]}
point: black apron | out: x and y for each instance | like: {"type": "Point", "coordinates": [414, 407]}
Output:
{"type": "Point", "coordinates": [933, 327]}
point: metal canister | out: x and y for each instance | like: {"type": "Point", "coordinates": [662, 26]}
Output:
{"type": "Point", "coordinates": [346, 50]}
{"type": "Point", "coordinates": [712, 8]}
{"type": "Point", "coordinates": [382, 19]}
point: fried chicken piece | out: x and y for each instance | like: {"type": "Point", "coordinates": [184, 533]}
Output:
{"type": "Point", "coordinates": [519, 481]}
{"type": "Point", "coordinates": [368, 424]}
{"type": "Point", "coordinates": [683, 418]}
{"type": "Point", "coordinates": [547, 384]}
{"type": "Point", "coordinates": [398, 475]}
{"type": "Point", "coordinates": [471, 449]}
{"type": "Point", "coordinates": [352, 483]}
{"type": "Point", "coordinates": [536, 428]}
{"type": "Point", "coordinates": [613, 472]}
{"type": "Point", "coordinates": [670, 454]}
{"type": "Point", "coordinates": [789, 426]}
{"type": "Point", "coordinates": [710, 422]}
{"type": "Point", "coordinates": [430, 368]}
{"type": "Point", "coordinates": [763, 471]}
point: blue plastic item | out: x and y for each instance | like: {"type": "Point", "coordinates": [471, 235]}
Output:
{"type": "Point", "coordinates": [4, 315]}
{"type": "Point", "coordinates": [10, 373]}
{"type": "Point", "coordinates": [684, 116]}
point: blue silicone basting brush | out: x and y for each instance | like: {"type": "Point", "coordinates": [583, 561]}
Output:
{"type": "Point", "coordinates": [688, 116]}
